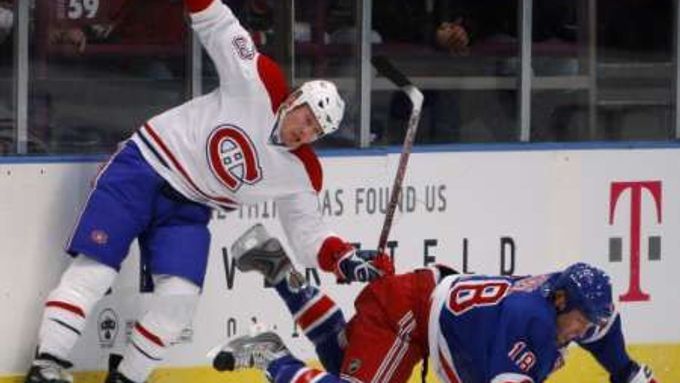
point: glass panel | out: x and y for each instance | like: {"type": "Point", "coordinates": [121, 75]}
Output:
{"type": "Point", "coordinates": [463, 55]}
{"type": "Point", "coordinates": [99, 69]}
{"type": "Point", "coordinates": [257, 16]}
{"type": "Point", "coordinates": [325, 47]}
{"type": "Point", "coordinates": [316, 54]}
{"type": "Point", "coordinates": [627, 94]}
{"type": "Point", "coordinates": [7, 125]}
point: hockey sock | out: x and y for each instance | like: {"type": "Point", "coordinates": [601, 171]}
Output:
{"type": "Point", "coordinates": [319, 317]}
{"type": "Point", "coordinates": [171, 311]}
{"type": "Point", "coordinates": [67, 306]}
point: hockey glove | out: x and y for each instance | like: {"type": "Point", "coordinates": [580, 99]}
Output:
{"type": "Point", "coordinates": [643, 375]}
{"type": "Point", "coordinates": [363, 266]}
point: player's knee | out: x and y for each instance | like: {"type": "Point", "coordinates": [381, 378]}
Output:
{"type": "Point", "coordinates": [84, 282]}
{"type": "Point", "coordinates": [172, 307]}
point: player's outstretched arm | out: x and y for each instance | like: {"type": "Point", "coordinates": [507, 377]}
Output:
{"type": "Point", "coordinates": [317, 246]}
{"type": "Point", "coordinates": [608, 346]}
{"type": "Point", "coordinates": [227, 42]}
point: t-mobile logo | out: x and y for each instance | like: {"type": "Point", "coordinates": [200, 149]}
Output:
{"type": "Point", "coordinates": [637, 189]}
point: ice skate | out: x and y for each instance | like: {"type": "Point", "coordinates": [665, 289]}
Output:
{"type": "Point", "coordinates": [257, 250]}
{"type": "Point", "coordinates": [250, 352]}
{"type": "Point", "coordinates": [114, 376]}
{"type": "Point", "coordinates": [49, 369]}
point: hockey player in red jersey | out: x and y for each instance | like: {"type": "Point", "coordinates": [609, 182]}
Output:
{"type": "Point", "coordinates": [243, 143]}
{"type": "Point", "coordinates": [474, 328]}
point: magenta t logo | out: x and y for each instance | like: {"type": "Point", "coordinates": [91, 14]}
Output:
{"type": "Point", "coordinates": [635, 292]}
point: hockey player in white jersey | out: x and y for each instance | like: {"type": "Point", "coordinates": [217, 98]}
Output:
{"type": "Point", "coordinates": [244, 143]}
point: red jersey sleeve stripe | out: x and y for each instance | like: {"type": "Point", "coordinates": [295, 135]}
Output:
{"type": "Point", "coordinates": [148, 334]}
{"type": "Point", "coordinates": [197, 5]}
{"type": "Point", "coordinates": [315, 312]}
{"type": "Point", "coordinates": [277, 88]}
{"type": "Point", "coordinates": [312, 165]}
{"type": "Point", "coordinates": [306, 376]}
{"type": "Point", "coordinates": [66, 306]}
{"type": "Point", "coordinates": [274, 81]}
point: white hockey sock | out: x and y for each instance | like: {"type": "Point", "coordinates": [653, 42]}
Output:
{"type": "Point", "coordinates": [171, 311]}
{"type": "Point", "coordinates": [67, 306]}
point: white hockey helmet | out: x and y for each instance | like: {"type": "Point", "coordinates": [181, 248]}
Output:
{"type": "Point", "coordinates": [323, 99]}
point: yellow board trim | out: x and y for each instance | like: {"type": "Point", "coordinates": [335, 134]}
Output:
{"type": "Point", "coordinates": [664, 359]}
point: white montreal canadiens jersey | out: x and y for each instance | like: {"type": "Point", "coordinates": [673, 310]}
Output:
{"type": "Point", "coordinates": [216, 149]}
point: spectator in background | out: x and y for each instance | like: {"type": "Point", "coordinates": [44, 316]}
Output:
{"type": "Point", "coordinates": [495, 22]}
{"type": "Point", "coordinates": [62, 35]}
{"type": "Point", "coordinates": [149, 33]}
{"type": "Point", "coordinates": [137, 48]}
{"type": "Point", "coordinates": [422, 26]}
{"type": "Point", "coordinates": [394, 21]}
{"type": "Point", "coordinates": [411, 23]}
{"type": "Point", "coordinates": [491, 26]}
{"type": "Point", "coordinates": [257, 17]}
{"type": "Point", "coordinates": [38, 131]}
{"type": "Point", "coordinates": [156, 27]}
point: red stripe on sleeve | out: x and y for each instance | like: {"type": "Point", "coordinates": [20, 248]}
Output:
{"type": "Point", "coordinates": [197, 5]}
{"type": "Point", "coordinates": [148, 334]}
{"type": "Point", "coordinates": [312, 165]}
{"type": "Point", "coordinates": [277, 88]}
{"type": "Point", "coordinates": [274, 81]}
{"type": "Point", "coordinates": [315, 312]}
{"type": "Point", "coordinates": [307, 376]}
{"type": "Point", "coordinates": [66, 306]}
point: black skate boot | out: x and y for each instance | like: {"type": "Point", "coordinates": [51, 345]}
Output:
{"type": "Point", "coordinates": [49, 369]}
{"type": "Point", "coordinates": [251, 352]}
{"type": "Point", "coordinates": [114, 376]}
{"type": "Point", "coordinates": [257, 250]}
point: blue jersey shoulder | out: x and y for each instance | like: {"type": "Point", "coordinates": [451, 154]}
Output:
{"type": "Point", "coordinates": [526, 341]}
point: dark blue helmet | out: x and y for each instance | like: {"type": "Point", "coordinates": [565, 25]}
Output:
{"type": "Point", "coordinates": [588, 289]}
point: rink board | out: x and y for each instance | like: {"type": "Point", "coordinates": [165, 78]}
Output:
{"type": "Point", "coordinates": [481, 212]}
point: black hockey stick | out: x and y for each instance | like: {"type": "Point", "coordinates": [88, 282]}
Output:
{"type": "Point", "coordinates": [385, 68]}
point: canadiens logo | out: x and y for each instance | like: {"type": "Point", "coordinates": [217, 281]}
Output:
{"type": "Point", "coordinates": [245, 49]}
{"type": "Point", "coordinates": [233, 158]}
{"type": "Point", "coordinates": [99, 237]}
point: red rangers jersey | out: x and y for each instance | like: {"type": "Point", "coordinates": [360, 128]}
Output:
{"type": "Point", "coordinates": [217, 149]}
